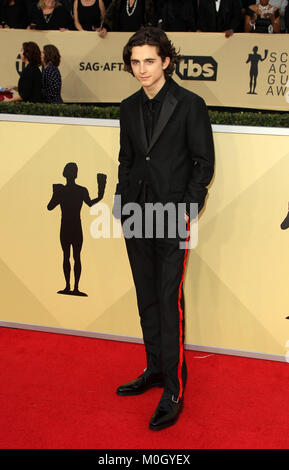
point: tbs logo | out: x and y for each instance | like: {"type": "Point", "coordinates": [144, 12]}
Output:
{"type": "Point", "coordinates": [197, 68]}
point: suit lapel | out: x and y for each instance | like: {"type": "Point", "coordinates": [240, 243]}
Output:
{"type": "Point", "coordinates": [167, 110]}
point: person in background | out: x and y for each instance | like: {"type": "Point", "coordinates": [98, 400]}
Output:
{"type": "Point", "coordinates": [68, 4]}
{"type": "Point", "coordinates": [88, 14]}
{"type": "Point", "coordinates": [128, 15]}
{"type": "Point", "coordinates": [30, 81]}
{"type": "Point", "coordinates": [245, 5]}
{"type": "Point", "coordinates": [281, 5]}
{"type": "Point", "coordinates": [219, 16]}
{"type": "Point", "coordinates": [13, 14]}
{"type": "Point", "coordinates": [49, 15]}
{"type": "Point", "coordinates": [176, 15]}
{"type": "Point", "coordinates": [286, 19]}
{"type": "Point", "coordinates": [262, 18]}
{"type": "Point", "coordinates": [29, 4]}
{"type": "Point", "coordinates": [51, 78]}
{"type": "Point", "coordinates": [166, 158]}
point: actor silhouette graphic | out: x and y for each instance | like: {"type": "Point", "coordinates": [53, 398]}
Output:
{"type": "Point", "coordinates": [254, 59]}
{"type": "Point", "coordinates": [285, 223]}
{"type": "Point", "coordinates": [70, 197]}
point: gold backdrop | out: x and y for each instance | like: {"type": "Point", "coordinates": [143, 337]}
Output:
{"type": "Point", "coordinates": [214, 67]}
{"type": "Point", "coordinates": [236, 285]}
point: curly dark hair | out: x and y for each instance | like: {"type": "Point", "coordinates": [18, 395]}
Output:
{"type": "Point", "coordinates": [152, 36]}
{"type": "Point", "coordinates": [51, 55]}
{"type": "Point", "coordinates": [32, 53]}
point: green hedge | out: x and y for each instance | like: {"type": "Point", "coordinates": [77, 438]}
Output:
{"type": "Point", "coordinates": [240, 118]}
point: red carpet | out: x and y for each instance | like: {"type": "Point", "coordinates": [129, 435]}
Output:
{"type": "Point", "coordinates": [58, 392]}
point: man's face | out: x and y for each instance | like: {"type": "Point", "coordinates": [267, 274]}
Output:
{"type": "Point", "coordinates": [148, 67]}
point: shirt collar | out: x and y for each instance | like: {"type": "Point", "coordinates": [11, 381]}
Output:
{"type": "Point", "coordinates": [160, 96]}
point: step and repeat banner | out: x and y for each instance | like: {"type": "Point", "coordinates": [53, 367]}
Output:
{"type": "Point", "coordinates": [246, 70]}
{"type": "Point", "coordinates": [236, 285]}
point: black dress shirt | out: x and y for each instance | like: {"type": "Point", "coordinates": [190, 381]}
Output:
{"type": "Point", "coordinates": [151, 113]}
{"type": "Point", "coordinates": [152, 108]}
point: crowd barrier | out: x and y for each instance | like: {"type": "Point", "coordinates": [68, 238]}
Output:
{"type": "Point", "coordinates": [245, 70]}
{"type": "Point", "coordinates": [236, 285]}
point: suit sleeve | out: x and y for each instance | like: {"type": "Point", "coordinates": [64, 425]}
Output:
{"type": "Point", "coordinates": [111, 13]}
{"type": "Point", "coordinates": [201, 147]}
{"type": "Point", "coordinates": [125, 156]}
{"type": "Point", "coordinates": [203, 14]}
{"type": "Point", "coordinates": [236, 15]}
{"type": "Point", "coordinates": [25, 85]}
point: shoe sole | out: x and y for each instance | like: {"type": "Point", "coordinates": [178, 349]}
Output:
{"type": "Point", "coordinates": [166, 425]}
{"type": "Point", "coordinates": [127, 394]}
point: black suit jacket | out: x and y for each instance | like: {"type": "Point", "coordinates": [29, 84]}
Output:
{"type": "Point", "coordinates": [176, 15]}
{"type": "Point", "coordinates": [60, 18]}
{"type": "Point", "coordinates": [179, 161]}
{"type": "Point", "coordinates": [30, 84]}
{"type": "Point", "coordinates": [229, 15]}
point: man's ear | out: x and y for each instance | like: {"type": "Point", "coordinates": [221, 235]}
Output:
{"type": "Point", "coordinates": [166, 62]}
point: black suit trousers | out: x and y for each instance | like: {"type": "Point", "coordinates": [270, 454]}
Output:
{"type": "Point", "coordinates": [158, 268]}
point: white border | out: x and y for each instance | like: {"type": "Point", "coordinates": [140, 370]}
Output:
{"type": "Point", "coordinates": [115, 123]}
{"type": "Point", "coordinates": [60, 120]}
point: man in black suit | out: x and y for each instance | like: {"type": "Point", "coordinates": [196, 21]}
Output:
{"type": "Point", "coordinates": [220, 16]}
{"type": "Point", "coordinates": [166, 159]}
{"type": "Point", "coordinates": [176, 15]}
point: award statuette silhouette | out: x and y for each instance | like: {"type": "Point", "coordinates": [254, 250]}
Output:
{"type": "Point", "coordinates": [285, 223]}
{"type": "Point", "coordinates": [70, 197]}
{"type": "Point", "coordinates": [254, 59]}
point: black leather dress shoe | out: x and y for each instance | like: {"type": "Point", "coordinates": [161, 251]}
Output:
{"type": "Point", "coordinates": [166, 414]}
{"type": "Point", "coordinates": [140, 385]}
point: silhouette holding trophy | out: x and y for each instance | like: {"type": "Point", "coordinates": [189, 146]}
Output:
{"type": "Point", "coordinates": [70, 197]}
{"type": "Point", "coordinates": [255, 59]}
{"type": "Point", "coordinates": [285, 224]}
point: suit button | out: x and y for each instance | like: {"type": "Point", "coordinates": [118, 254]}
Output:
{"type": "Point", "coordinates": [148, 158]}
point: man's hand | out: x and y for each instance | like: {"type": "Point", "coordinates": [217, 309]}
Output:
{"type": "Point", "coordinates": [102, 32]}
{"type": "Point", "coordinates": [229, 33]}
